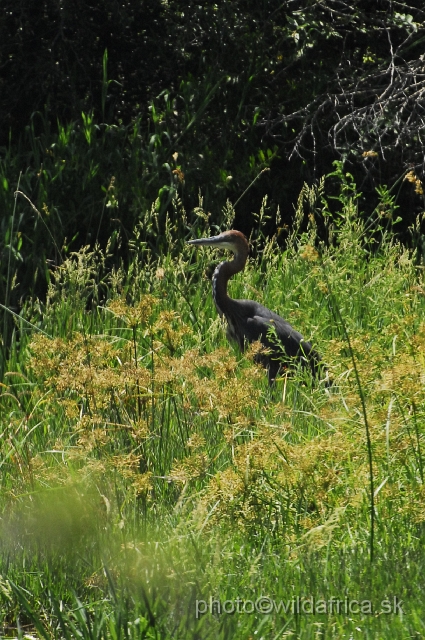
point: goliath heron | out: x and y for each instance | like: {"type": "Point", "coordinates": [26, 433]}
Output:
{"type": "Point", "coordinates": [248, 320]}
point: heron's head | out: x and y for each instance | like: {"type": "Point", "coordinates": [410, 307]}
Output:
{"type": "Point", "coordinates": [234, 241]}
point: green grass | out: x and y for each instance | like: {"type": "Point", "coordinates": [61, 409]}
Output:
{"type": "Point", "coordinates": [148, 468]}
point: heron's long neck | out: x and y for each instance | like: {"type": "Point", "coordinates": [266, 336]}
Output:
{"type": "Point", "coordinates": [223, 272]}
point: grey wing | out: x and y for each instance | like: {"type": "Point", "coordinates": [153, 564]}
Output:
{"type": "Point", "coordinates": [276, 334]}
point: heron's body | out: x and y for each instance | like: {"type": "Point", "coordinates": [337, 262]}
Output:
{"type": "Point", "coordinates": [249, 321]}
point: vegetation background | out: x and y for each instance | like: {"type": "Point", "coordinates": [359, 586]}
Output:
{"type": "Point", "coordinates": [107, 108]}
{"type": "Point", "coordinates": [145, 465]}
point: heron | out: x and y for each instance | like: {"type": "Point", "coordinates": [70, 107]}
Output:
{"type": "Point", "coordinates": [248, 321]}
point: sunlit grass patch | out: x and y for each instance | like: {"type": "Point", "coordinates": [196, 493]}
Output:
{"type": "Point", "coordinates": [148, 464]}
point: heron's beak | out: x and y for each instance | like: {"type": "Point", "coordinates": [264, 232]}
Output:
{"type": "Point", "coordinates": [204, 241]}
{"type": "Point", "coordinates": [214, 241]}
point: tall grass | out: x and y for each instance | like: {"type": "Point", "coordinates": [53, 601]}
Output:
{"type": "Point", "coordinates": [147, 467]}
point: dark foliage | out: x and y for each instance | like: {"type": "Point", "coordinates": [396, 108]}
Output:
{"type": "Point", "coordinates": [307, 80]}
{"type": "Point", "coordinates": [134, 102]}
